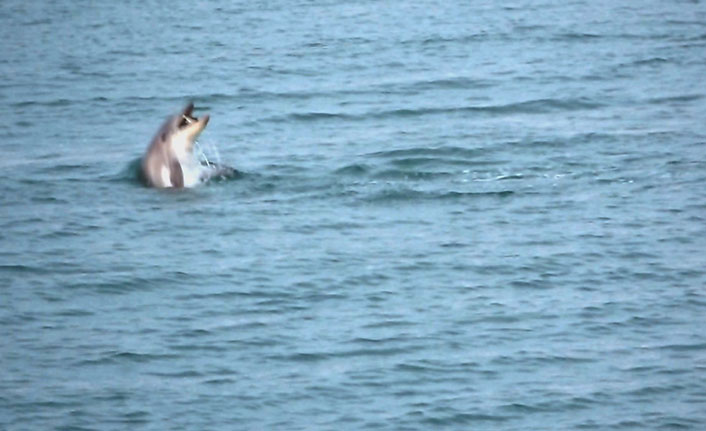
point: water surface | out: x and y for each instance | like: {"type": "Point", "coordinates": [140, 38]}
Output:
{"type": "Point", "coordinates": [450, 215]}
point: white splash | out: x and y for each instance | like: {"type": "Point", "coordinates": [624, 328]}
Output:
{"type": "Point", "coordinates": [202, 156]}
{"type": "Point", "coordinates": [201, 165]}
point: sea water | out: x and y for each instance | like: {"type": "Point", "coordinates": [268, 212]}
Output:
{"type": "Point", "coordinates": [449, 215]}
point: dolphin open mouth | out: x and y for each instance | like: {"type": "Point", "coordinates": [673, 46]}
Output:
{"type": "Point", "coordinates": [186, 120]}
{"type": "Point", "coordinates": [187, 116]}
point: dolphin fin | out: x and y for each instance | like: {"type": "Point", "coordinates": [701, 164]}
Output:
{"type": "Point", "coordinates": [176, 175]}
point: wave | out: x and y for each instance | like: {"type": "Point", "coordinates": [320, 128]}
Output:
{"type": "Point", "coordinates": [127, 357]}
{"type": "Point", "coordinates": [121, 282]}
{"type": "Point", "coordinates": [684, 98]}
{"type": "Point", "coordinates": [428, 151]}
{"type": "Point", "coordinates": [407, 194]}
{"type": "Point", "coordinates": [537, 106]}
{"type": "Point", "coordinates": [460, 82]}
{"type": "Point", "coordinates": [336, 93]}
{"type": "Point", "coordinates": [382, 351]}
{"type": "Point", "coordinates": [132, 172]}
{"type": "Point", "coordinates": [458, 418]}
{"type": "Point", "coordinates": [649, 61]}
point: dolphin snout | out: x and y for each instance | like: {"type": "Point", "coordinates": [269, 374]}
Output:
{"type": "Point", "coordinates": [205, 119]}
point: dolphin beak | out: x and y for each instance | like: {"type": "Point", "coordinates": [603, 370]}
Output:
{"type": "Point", "coordinates": [205, 119]}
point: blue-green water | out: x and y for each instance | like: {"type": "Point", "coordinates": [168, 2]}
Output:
{"type": "Point", "coordinates": [451, 215]}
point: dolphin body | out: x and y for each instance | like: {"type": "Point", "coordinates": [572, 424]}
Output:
{"type": "Point", "coordinates": [170, 161]}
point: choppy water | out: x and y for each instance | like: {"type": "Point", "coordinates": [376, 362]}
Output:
{"type": "Point", "coordinates": [450, 215]}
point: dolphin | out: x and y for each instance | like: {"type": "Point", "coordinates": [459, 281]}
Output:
{"type": "Point", "coordinates": [169, 160]}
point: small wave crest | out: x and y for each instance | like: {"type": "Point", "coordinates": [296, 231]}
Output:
{"type": "Point", "coordinates": [527, 107]}
{"type": "Point", "coordinates": [407, 194]}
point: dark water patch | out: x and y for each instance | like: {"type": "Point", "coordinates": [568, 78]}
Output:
{"type": "Point", "coordinates": [203, 347]}
{"type": "Point", "coordinates": [686, 98]}
{"type": "Point", "coordinates": [452, 419]}
{"type": "Point", "coordinates": [397, 174]}
{"type": "Point", "coordinates": [302, 357]}
{"type": "Point", "coordinates": [47, 404]}
{"type": "Point", "coordinates": [538, 106]}
{"type": "Point", "coordinates": [435, 368]}
{"type": "Point", "coordinates": [578, 36]}
{"type": "Point", "coordinates": [74, 428]}
{"type": "Point", "coordinates": [317, 116]}
{"type": "Point", "coordinates": [669, 422]}
{"type": "Point", "coordinates": [447, 40]}
{"type": "Point", "coordinates": [56, 103]}
{"type": "Point", "coordinates": [654, 61]}
{"type": "Point", "coordinates": [390, 323]}
{"type": "Point", "coordinates": [454, 245]}
{"type": "Point", "coordinates": [317, 298]}
{"type": "Point", "coordinates": [254, 293]}
{"type": "Point", "coordinates": [353, 170]}
{"type": "Point", "coordinates": [120, 284]}
{"type": "Point", "coordinates": [373, 341]}
{"type": "Point", "coordinates": [22, 269]}
{"type": "Point", "coordinates": [554, 405]}
{"type": "Point", "coordinates": [414, 162]}
{"type": "Point", "coordinates": [455, 83]}
{"type": "Point", "coordinates": [190, 374]}
{"type": "Point", "coordinates": [121, 53]}
{"type": "Point", "coordinates": [38, 22]}
{"type": "Point", "coordinates": [337, 93]}
{"type": "Point", "coordinates": [365, 280]}
{"type": "Point", "coordinates": [75, 312]}
{"type": "Point", "coordinates": [651, 391]}
{"type": "Point", "coordinates": [346, 354]}
{"type": "Point", "coordinates": [131, 173]}
{"type": "Point", "coordinates": [621, 425]}
{"type": "Point", "coordinates": [284, 171]}
{"type": "Point", "coordinates": [126, 358]}
{"type": "Point", "coordinates": [530, 107]}
{"type": "Point", "coordinates": [49, 199]}
{"type": "Point", "coordinates": [218, 382]}
{"type": "Point", "coordinates": [694, 347]}
{"type": "Point", "coordinates": [193, 333]}
{"type": "Point", "coordinates": [260, 95]}
{"type": "Point", "coordinates": [429, 152]}
{"type": "Point", "coordinates": [411, 195]}
{"type": "Point", "coordinates": [528, 358]}
{"type": "Point", "coordinates": [134, 417]}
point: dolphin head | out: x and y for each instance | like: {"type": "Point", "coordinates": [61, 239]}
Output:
{"type": "Point", "coordinates": [185, 128]}
{"type": "Point", "coordinates": [170, 160]}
